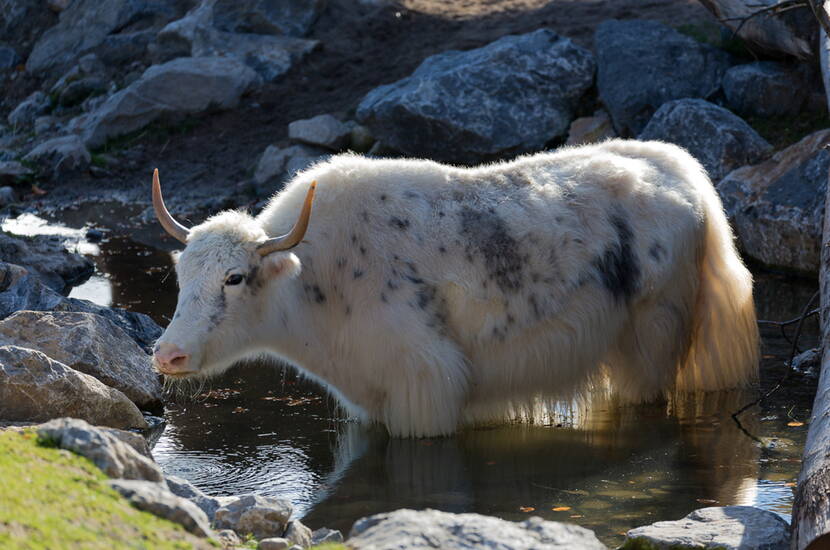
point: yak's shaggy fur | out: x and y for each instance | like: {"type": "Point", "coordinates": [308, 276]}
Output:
{"type": "Point", "coordinates": [432, 296]}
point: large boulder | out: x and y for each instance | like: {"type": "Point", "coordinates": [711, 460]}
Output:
{"type": "Point", "coordinates": [113, 456]}
{"type": "Point", "coordinates": [59, 156]}
{"type": "Point", "coordinates": [47, 257]}
{"type": "Point", "coordinates": [512, 96]}
{"type": "Point", "coordinates": [90, 344]}
{"type": "Point", "coordinates": [253, 514]}
{"type": "Point", "coordinates": [34, 387]}
{"type": "Point", "coordinates": [410, 529]}
{"type": "Point", "coordinates": [643, 64]}
{"type": "Point", "coordinates": [287, 17]}
{"type": "Point", "coordinates": [777, 207]}
{"type": "Point", "coordinates": [184, 85]}
{"type": "Point", "coordinates": [195, 35]}
{"type": "Point", "coordinates": [718, 138]}
{"type": "Point", "coordinates": [85, 24]}
{"type": "Point", "coordinates": [21, 289]}
{"type": "Point", "coordinates": [726, 528]}
{"type": "Point", "coordinates": [766, 89]}
{"type": "Point", "coordinates": [156, 499]}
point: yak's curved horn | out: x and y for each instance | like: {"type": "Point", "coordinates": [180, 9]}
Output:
{"type": "Point", "coordinates": [170, 225]}
{"type": "Point", "coordinates": [293, 237]}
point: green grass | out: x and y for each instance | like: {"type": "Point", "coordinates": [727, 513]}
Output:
{"type": "Point", "coordinates": [156, 132]}
{"type": "Point", "coordinates": [710, 33]}
{"type": "Point", "coordinates": [53, 499]}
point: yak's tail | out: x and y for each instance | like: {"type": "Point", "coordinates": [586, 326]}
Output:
{"type": "Point", "coordinates": [724, 350]}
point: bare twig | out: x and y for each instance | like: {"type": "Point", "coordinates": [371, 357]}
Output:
{"type": "Point", "coordinates": [819, 9]}
{"type": "Point", "coordinates": [775, 9]}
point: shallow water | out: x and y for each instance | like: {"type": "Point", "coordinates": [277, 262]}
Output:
{"type": "Point", "coordinates": [260, 429]}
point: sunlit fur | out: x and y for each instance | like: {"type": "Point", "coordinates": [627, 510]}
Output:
{"type": "Point", "coordinates": [425, 296]}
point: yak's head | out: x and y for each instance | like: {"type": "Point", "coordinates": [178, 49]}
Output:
{"type": "Point", "coordinates": [228, 267]}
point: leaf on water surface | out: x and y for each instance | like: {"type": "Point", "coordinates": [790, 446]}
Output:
{"type": "Point", "coordinates": [790, 484]}
{"type": "Point", "coordinates": [526, 509]}
{"type": "Point", "coordinates": [706, 500]}
{"type": "Point", "coordinates": [561, 508]}
{"type": "Point", "coordinates": [240, 410]}
{"type": "Point", "coordinates": [795, 423]}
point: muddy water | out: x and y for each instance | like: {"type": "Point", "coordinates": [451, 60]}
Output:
{"type": "Point", "coordinates": [260, 429]}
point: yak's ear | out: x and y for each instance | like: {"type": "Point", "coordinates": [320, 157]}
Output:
{"type": "Point", "coordinates": [281, 264]}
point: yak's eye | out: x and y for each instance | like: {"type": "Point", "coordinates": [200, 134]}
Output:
{"type": "Point", "coordinates": [234, 279]}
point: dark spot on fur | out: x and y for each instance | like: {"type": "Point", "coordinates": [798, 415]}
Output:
{"type": "Point", "coordinates": [410, 194]}
{"type": "Point", "coordinates": [618, 267]}
{"type": "Point", "coordinates": [425, 295]}
{"type": "Point", "coordinates": [219, 309]}
{"type": "Point", "coordinates": [348, 310]}
{"type": "Point", "coordinates": [510, 319]}
{"type": "Point", "coordinates": [365, 216]}
{"type": "Point", "coordinates": [413, 279]}
{"type": "Point", "coordinates": [442, 249]}
{"type": "Point", "coordinates": [391, 285]}
{"type": "Point", "coordinates": [534, 277]}
{"type": "Point", "coordinates": [341, 263]}
{"type": "Point", "coordinates": [362, 250]}
{"type": "Point", "coordinates": [441, 214]}
{"type": "Point", "coordinates": [657, 252]}
{"type": "Point", "coordinates": [402, 224]}
{"type": "Point", "coordinates": [383, 298]}
{"type": "Point", "coordinates": [534, 304]}
{"type": "Point", "coordinates": [314, 293]}
{"type": "Point", "coordinates": [489, 235]}
{"type": "Point", "coordinates": [354, 238]}
{"type": "Point", "coordinates": [358, 273]}
{"type": "Point", "coordinates": [383, 197]}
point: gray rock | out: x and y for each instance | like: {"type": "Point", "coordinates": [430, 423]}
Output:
{"type": "Point", "coordinates": [512, 96]}
{"type": "Point", "coordinates": [808, 362]}
{"type": "Point", "coordinates": [261, 516]}
{"type": "Point", "coordinates": [34, 387]}
{"type": "Point", "coordinates": [58, 6]}
{"type": "Point", "coordinates": [184, 85]}
{"type": "Point", "coordinates": [277, 165]}
{"type": "Point", "coordinates": [592, 129]}
{"type": "Point", "coordinates": [47, 257]}
{"type": "Point", "coordinates": [408, 529]}
{"type": "Point", "coordinates": [324, 535]}
{"type": "Point", "coordinates": [8, 58]}
{"type": "Point", "coordinates": [123, 48]}
{"type": "Point", "coordinates": [776, 207]}
{"type": "Point", "coordinates": [156, 499]}
{"type": "Point", "coordinates": [288, 17]}
{"type": "Point", "coordinates": [85, 24]}
{"type": "Point", "coordinates": [61, 155]}
{"type": "Point", "coordinates": [228, 538]}
{"type": "Point", "coordinates": [274, 543]}
{"type": "Point", "coordinates": [109, 452]}
{"type": "Point", "coordinates": [719, 139]}
{"type": "Point", "coordinates": [33, 106]}
{"type": "Point", "coordinates": [727, 528]}
{"type": "Point", "coordinates": [194, 35]}
{"type": "Point", "coordinates": [321, 130]}
{"type": "Point", "coordinates": [12, 171]}
{"type": "Point", "coordinates": [45, 124]}
{"type": "Point", "coordinates": [7, 195]}
{"type": "Point", "coordinates": [183, 488]}
{"type": "Point", "coordinates": [298, 534]}
{"type": "Point", "coordinates": [21, 289]}
{"type": "Point", "coordinates": [643, 64]}
{"type": "Point", "coordinates": [79, 90]}
{"type": "Point", "coordinates": [360, 139]}
{"type": "Point", "coordinates": [765, 89]}
{"type": "Point", "coordinates": [90, 344]}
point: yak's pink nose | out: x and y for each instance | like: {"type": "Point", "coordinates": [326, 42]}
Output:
{"type": "Point", "coordinates": [170, 359]}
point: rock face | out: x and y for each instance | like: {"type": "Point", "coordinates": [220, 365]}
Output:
{"type": "Point", "coordinates": [729, 528]}
{"type": "Point", "coordinates": [262, 516]}
{"type": "Point", "coordinates": [409, 529]}
{"type": "Point", "coordinates": [156, 499]}
{"type": "Point", "coordinates": [86, 24]}
{"type": "Point", "coordinates": [114, 457]}
{"type": "Point", "coordinates": [643, 64]}
{"type": "Point", "coordinates": [511, 96]}
{"type": "Point", "coordinates": [20, 289]}
{"type": "Point", "coordinates": [28, 109]}
{"type": "Point", "coordinates": [184, 85]}
{"type": "Point", "coordinates": [33, 387]}
{"type": "Point", "coordinates": [322, 130]}
{"type": "Point", "coordinates": [719, 139]}
{"type": "Point", "coordinates": [765, 89]}
{"type": "Point", "coordinates": [60, 155]}
{"type": "Point", "coordinates": [777, 206]}
{"type": "Point", "coordinates": [90, 344]}
{"type": "Point", "coordinates": [288, 17]}
{"type": "Point", "coordinates": [47, 257]}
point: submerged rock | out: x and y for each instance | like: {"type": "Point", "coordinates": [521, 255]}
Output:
{"type": "Point", "coordinates": [512, 96]}
{"type": "Point", "coordinates": [262, 516]}
{"type": "Point", "coordinates": [47, 257]}
{"type": "Point", "coordinates": [643, 64]}
{"type": "Point", "coordinates": [719, 139]}
{"type": "Point", "coordinates": [776, 207]}
{"type": "Point", "coordinates": [156, 499]}
{"type": "Point", "coordinates": [184, 85]}
{"type": "Point", "coordinates": [410, 529]}
{"type": "Point", "coordinates": [90, 344]}
{"type": "Point", "coordinates": [109, 452]}
{"type": "Point", "coordinates": [34, 387]}
{"type": "Point", "coordinates": [727, 528]}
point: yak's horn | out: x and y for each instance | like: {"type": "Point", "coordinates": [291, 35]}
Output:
{"type": "Point", "coordinates": [170, 225]}
{"type": "Point", "coordinates": [293, 237]}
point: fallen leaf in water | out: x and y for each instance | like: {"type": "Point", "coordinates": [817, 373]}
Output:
{"type": "Point", "coordinates": [490, 463]}
{"type": "Point", "coordinates": [790, 484]}
{"type": "Point", "coordinates": [576, 516]}
{"type": "Point", "coordinates": [795, 423]}
{"type": "Point", "coordinates": [37, 190]}
{"type": "Point", "coordinates": [706, 500]}
{"type": "Point", "coordinates": [561, 508]}
{"type": "Point", "coordinates": [526, 509]}
{"type": "Point", "coordinates": [240, 410]}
